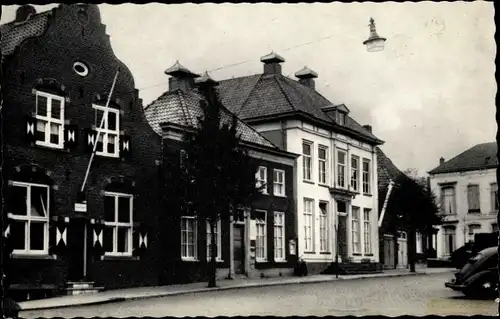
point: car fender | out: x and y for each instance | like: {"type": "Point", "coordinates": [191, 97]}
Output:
{"type": "Point", "coordinates": [480, 275]}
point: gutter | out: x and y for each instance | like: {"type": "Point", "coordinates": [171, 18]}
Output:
{"type": "Point", "coordinates": [384, 208]}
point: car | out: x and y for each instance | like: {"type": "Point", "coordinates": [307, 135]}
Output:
{"type": "Point", "coordinates": [479, 276]}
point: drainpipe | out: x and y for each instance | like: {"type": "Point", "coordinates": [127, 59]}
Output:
{"type": "Point", "coordinates": [230, 275]}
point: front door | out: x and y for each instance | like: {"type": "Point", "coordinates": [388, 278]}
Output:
{"type": "Point", "coordinates": [239, 249]}
{"type": "Point", "coordinates": [389, 252]}
{"type": "Point", "coordinates": [76, 236]}
{"type": "Point", "coordinates": [342, 236]}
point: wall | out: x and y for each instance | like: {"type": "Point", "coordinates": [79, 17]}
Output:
{"type": "Point", "coordinates": [72, 36]}
{"type": "Point", "coordinates": [483, 178]}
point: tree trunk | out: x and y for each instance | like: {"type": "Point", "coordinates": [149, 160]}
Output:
{"type": "Point", "coordinates": [213, 254]}
{"type": "Point", "coordinates": [411, 248]}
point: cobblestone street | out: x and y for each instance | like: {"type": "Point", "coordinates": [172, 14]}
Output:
{"type": "Point", "coordinates": [419, 295]}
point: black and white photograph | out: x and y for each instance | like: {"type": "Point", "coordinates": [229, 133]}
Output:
{"type": "Point", "coordinates": [289, 159]}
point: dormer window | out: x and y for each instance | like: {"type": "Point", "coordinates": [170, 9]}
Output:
{"type": "Point", "coordinates": [107, 122]}
{"type": "Point", "coordinates": [49, 120]}
{"type": "Point", "coordinates": [340, 118]}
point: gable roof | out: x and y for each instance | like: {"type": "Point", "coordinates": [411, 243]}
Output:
{"type": "Point", "coordinates": [14, 33]}
{"type": "Point", "coordinates": [386, 170]}
{"type": "Point", "coordinates": [266, 95]}
{"type": "Point", "coordinates": [480, 156]}
{"type": "Point", "coordinates": [183, 108]}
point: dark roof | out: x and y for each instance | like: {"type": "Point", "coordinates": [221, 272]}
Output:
{"type": "Point", "coordinates": [184, 109]}
{"type": "Point", "coordinates": [481, 156]}
{"type": "Point", "coordinates": [386, 170]}
{"type": "Point", "coordinates": [13, 33]}
{"type": "Point", "coordinates": [266, 95]}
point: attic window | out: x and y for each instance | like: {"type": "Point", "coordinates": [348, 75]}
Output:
{"type": "Point", "coordinates": [340, 118]}
{"type": "Point", "coordinates": [80, 68]}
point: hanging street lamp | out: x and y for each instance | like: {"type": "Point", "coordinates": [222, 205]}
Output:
{"type": "Point", "coordinates": [374, 43]}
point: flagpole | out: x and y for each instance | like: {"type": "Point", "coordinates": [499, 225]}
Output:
{"type": "Point", "coordinates": [98, 133]}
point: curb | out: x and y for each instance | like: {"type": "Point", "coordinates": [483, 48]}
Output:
{"type": "Point", "coordinates": [199, 290]}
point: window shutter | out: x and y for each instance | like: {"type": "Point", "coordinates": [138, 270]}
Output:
{"type": "Point", "coordinates": [140, 239]}
{"type": "Point", "coordinates": [97, 237]}
{"type": "Point", "coordinates": [90, 137]}
{"type": "Point", "coordinates": [70, 136]}
{"type": "Point", "coordinates": [57, 235]}
{"type": "Point", "coordinates": [124, 146]}
{"type": "Point", "coordinates": [30, 129]}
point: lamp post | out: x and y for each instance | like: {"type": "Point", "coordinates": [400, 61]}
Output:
{"type": "Point", "coordinates": [374, 43]}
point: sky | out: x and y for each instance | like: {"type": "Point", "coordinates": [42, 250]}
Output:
{"type": "Point", "coordinates": [430, 93]}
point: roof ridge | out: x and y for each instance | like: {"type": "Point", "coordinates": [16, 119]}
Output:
{"type": "Point", "coordinates": [283, 91]}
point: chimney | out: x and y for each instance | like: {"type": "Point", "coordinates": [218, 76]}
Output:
{"type": "Point", "coordinates": [181, 78]}
{"type": "Point", "coordinates": [441, 161]}
{"type": "Point", "coordinates": [306, 77]}
{"type": "Point", "coordinates": [272, 63]}
{"type": "Point", "coordinates": [368, 128]}
{"type": "Point", "coordinates": [24, 12]}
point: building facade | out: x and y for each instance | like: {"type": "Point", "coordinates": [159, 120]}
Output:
{"type": "Point", "coordinates": [75, 227]}
{"type": "Point", "coordinates": [336, 180]}
{"type": "Point", "coordinates": [260, 240]}
{"type": "Point", "coordinates": [467, 188]}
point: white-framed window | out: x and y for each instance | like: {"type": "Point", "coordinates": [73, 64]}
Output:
{"type": "Point", "coordinates": [118, 223]}
{"type": "Point", "coordinates": [341, 118]}
{"type": "Point", "coordinates": [323, 227]}
{"type": "Point", "coordinates": [341, 168]}
{"type": "Point", "coordinates": [279, 182]}
{"type": "Point", "coordinates": [494, 196]}
{"type": "Point", "coordinates": [473, 198]}
{"type": "Point", "coordinates": [29, 211]}
{"type": "Point", "coordinates": [367, 231]}
{"type": "Point", "coordinates": [322, 164]}
{"type": "Point", "coordinates": [356, 234]}
{"type": "Point", "coordinates": [261, 236]}
{"type": "Point", "coordinates": [308, 224]}
{"type": "Point", "coordinates": [261, 177]}
{"type": "Point", "coordinates": [108, 132]}
{"type": "Point", "coordinates": [307, 161]}
{"type": "Point", "coordinates": [448, 200]}
{"type": "Point", "coordinates": [189, 238]}
{"type": "Point", "coordinates": [218, 240]}
{"type": "Point", "coordinates": [366, 176]}
{"type": "Point", "coordinates": [354, 172]}
{"type": "Point", "coordinates": [279, 236]}
{"type": "Point", "coordinates": [473, 230]}
{"type": "Point", "coordinates": [49, 120]}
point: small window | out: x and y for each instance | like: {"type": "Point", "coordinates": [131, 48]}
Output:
{"type": "Point", "coordinates": [80, 68]}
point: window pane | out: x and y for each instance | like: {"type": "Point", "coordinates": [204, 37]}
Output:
{"type": "Point", "coordinates": [40, 130]}
{"type": "Point", "coordinates": [99, 147]}
{"type": "Point", "coordinates": [54, 133]}
{"type": "Point", "coordinates": [41, 107]}
{"type": "Point", "coordinates": [111, 147]}
{"type": "Point", "coordinates": [109, 208]}
{"type": "Point", "coordinates": [39, 201]}
{"type": "Point", "coordinates": [37, 235]}
{"type": "Point", "coordinates": [190, 251]}
{"type": "Point", "coordinates": [108, 239]}
{"type": "Point", "coordinates": [124, 209]}
{"type": "Point", "coordinates": [341, 157]}
{"type": "Point", "coordinates": [18, 233]}
{"type": "Point", "coordinates": [98, 118]}
{"type": "Point", "coordinates": [111, 121]}
{"type": "Point", "coordinates": [123, 239]}
{"type": "Point", "coordinates": [306, 149]}
{"type": "Point", "coordinates": [322, 153]}
{"type": "Point", "coordinates": [55, 109]}
{"type": "Point", "coordinates": [18, 205]}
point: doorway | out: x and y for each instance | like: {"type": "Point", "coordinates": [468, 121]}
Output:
{"type": "Point", "coordinates": [76, 238]}
{"type": "Point", "coordinates": [239, 249]}
{"type": "Point", "coordinates": [342, 237]}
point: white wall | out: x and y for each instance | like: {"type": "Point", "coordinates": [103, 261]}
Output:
{"type": "Point", "coordinates": [483, 178]}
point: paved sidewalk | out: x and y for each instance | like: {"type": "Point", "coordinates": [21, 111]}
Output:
{"type": "Point", "coordinates": [118, 295]}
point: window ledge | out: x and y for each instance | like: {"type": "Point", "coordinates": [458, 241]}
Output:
{"type": "Point", "coordinates": [309, 252]}
{"type": "Point", "coordinates": [323, 185]}
{"type": "Point", "coordinates": [114, 257]}
{"type": "Point", "coordinates": [261, 260]}
{"type": "Point", "coordinates": [217, 260]}
{"type": "Point", "coordinates": [325, 253]}
{"type": "Point", "coordinates": [33, 256]}
{"type": "Point", "coordinates": [356, 254]}
{"type": "Point", "coordinates": [51, 147]}
{"type": "Point", "coordinates": [190, 259]}
{"type": "Point", "coordinates": [367, 194]}
{"type": "Point", "coordinates": [308, 181]}
{"type": "Point", "coordinates": [278, 195]}
{"type": "Point", "coordinates": [280, 261]}
{"type": "Point", "coordinates": [369, 255]}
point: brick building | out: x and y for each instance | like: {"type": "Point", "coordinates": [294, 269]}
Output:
{"type": "Point", "coordinates": [58, 68]}
{"type": "Point", "coordinates": [261, 241]}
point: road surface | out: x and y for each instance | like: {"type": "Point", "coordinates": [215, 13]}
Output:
{"type": "Point", "coordinates": [410, 295]}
